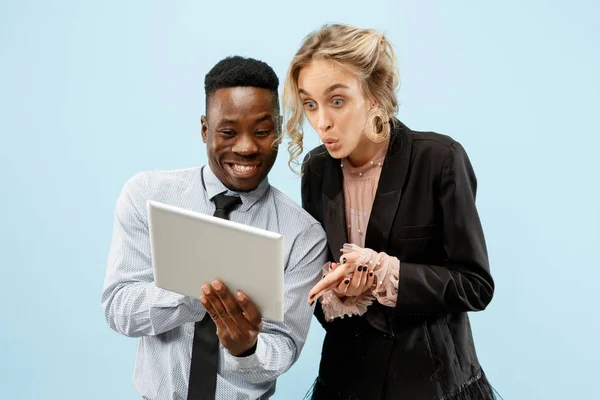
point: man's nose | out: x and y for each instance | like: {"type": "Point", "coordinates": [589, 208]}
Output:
{"type": "Point", "coordinates": [245, 145]}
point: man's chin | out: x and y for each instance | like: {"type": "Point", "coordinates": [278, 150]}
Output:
{"type": "Point", "coordinates": [242, 185]}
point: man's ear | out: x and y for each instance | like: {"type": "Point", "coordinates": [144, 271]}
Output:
{"type": "Point", "coordinates": [281, 124]}
{"type": "Point", "coordinates": [204, 124]}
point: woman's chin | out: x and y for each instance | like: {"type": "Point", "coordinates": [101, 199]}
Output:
{"type": "Point", "coordinates": [338, 153]}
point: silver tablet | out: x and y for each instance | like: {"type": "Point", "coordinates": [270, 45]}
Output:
{"type": "Point", "coordinates": [190, 249]}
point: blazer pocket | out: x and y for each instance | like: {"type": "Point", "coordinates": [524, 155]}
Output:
{"type": "Point", "coordinates": [416, 231]}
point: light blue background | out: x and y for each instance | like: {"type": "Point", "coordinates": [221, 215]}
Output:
{"type": "Point", "coordinates": [93, 92]}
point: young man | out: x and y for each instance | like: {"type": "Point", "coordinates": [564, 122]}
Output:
{"type": "Point", "coordinates": [217, 346]}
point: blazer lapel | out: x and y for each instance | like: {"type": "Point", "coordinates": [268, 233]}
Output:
{"type": "Point", "coordinates": [334, 215]}
{"type": "Point", "coordinates": [389, 189]}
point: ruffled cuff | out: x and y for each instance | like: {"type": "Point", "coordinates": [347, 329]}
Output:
{"type": "Point", "coordinates": [334, 307]}
{"type": "Point", "coordinates": [385, 284]}
{"type": "Point", "coordinates": [386, 270]}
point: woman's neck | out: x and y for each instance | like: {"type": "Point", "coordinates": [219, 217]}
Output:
{"type": "Point", "coordinates": [365, 152]}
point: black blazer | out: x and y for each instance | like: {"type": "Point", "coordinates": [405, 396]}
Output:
{"type": "Point", "coordinates": [424, 214]}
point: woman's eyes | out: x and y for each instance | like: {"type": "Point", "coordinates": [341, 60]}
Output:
{"type": "Point", "coordinates": [311, 105]}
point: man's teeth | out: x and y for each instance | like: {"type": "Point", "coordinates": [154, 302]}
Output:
{"type": "Point", "coordinates": [243, 168]}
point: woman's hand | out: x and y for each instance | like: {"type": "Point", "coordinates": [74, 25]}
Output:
{"type": "Point", "coordinates": [352, 277]}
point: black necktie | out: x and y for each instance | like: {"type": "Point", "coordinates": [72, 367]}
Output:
{"type": "Point", "coordinates": [205, 347]}
{"type": "Point", "coordinates": [225, 204]}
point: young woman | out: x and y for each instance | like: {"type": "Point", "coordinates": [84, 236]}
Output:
{"type": "Point", "coordinates": [407, 251]}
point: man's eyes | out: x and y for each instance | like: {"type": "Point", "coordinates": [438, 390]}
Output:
{"type": "Point", "coordinates": [263, 132]}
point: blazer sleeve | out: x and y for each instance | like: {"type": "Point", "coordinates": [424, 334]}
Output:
{"type": "Point", "coordinates": [308, 181]}
{"type": "Point", "coordinates": [463, 282]}
{"type": "Point", "coordinates": [305, 187]}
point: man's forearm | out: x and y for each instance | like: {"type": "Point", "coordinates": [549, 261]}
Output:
{"type": "Point", "coordinates": [142, 309]}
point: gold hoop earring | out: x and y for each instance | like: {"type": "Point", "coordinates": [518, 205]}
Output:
{"type": "Point", "coordinates": [378, 126]}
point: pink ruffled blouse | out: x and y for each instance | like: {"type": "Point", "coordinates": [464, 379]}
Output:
{"type": "Point", "coordinates": [360, 186]}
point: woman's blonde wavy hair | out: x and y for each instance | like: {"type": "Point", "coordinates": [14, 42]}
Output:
{"type": "Point", "coordinates": [366, 53]}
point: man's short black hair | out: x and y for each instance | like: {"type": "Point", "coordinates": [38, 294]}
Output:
{"type": "Point", "coordinates": [237, 71]}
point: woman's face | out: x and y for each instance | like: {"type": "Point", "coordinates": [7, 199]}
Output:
{"type": "Point", "coordinates": [335, 106]}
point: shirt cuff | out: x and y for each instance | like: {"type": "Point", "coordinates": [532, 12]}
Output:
{"type": "Point", "coordinates": [247, 363]}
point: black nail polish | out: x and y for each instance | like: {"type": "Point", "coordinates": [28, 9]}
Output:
{"type": "Point", "coordinates": [370, 274]}
{"type": "Point", "coordinates": [344, 260]}
{"type": "Point", "coordinates": [311, 303]}
{"type": "Point", "coordinates": [347, 281]}
{"type": "Point", "coordinates": [360, 268]}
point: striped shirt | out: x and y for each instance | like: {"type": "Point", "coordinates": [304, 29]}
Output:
{"type": "Point", "coordinates": [164, 321]}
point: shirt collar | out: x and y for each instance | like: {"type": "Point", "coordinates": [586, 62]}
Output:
{"type": "Point", "coordinates": [214, 187]}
